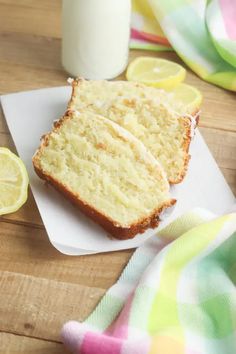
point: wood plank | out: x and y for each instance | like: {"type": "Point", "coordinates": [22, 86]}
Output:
{"type": "Point", "coordinates": [6, 141]}
{"type": "Point", "coordinates": [230, 176]}
{"type": "Point", "coordinates": [27, 214]}
{"type": "Point", "coordinates": [218, 107]}
{"type": "Point", "coordinates": [39, 307]}
{"type": "Point", "coordinates": [11, 343]}
{"type": "Point", "coordinates": [43, 4]}
{"type": "Point", "coordinates": [30, 50]}
{"type": "Point", "coordinates": [27, 250]}
{"type": "Point", "coordinates": [28, 78]}
{"type": "Point", "coordinates": [27, 17]}
{"type": "Point", "coordinates": [222, 145]}
{"type": "Point", "coordinates": [3, 124]}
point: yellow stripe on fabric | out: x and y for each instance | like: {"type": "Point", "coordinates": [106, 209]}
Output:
{"type": "Point", "coordinates": [166, 344]}
{"type": "Point", "coordinates": [225, 79]}
{"type": "Point", "coordinates": [164, 320]}
{"type": "Point", "coordinates": [184, 223]}
{"type": "Point", "coordinates": [149, 22]}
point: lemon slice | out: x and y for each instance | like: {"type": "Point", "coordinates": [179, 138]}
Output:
{"type": "Point", "coordinates": [185, 99]}
{"type": "Point", "coordinates": [156, 72]}
{"type": "Point", "coordinates": [13, 182]}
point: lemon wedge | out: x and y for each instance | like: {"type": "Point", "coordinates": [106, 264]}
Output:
{"type": "Point", "coordinates": [13, 182]}
{"type": "Point", "coordinates": [156, 72]}
{"type": "Point", "coordinates": [185, 99]}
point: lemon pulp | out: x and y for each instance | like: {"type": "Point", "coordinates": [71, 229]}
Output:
{"type": "Point", "coordinates": [185, 99]}
{"type": "Point", "coordinates": [13, 182]}
{"type": "Point", "coordinates": [157, 72]}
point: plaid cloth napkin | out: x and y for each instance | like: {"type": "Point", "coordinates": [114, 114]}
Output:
{"type": "Point", "coordinates": [176, 295]}
{"type": "Point", "coordinates": [202, 32]}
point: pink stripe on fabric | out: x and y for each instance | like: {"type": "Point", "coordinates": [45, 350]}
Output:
{"type": "Point", "coordinates": [192, 351]}
{"type": "Point", "coordinates": [111, 341]}
{"type": "Point", "coordinates": [96, 343]}
{"type": "Point", "coordinates": [119, 328]}
{"type": "Point", "coordinates": [73, 334]}
{"type": "Point", "coordinates": [135, 34]}
{"type": "Point", "coordinates": [228, 9]}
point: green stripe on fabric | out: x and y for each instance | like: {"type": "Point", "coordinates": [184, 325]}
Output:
{"type": "Point", "coordinates": [221, 346]}
{"type": "Point", "coordinates": [149, 46]}
{"type": "Point", "coordinates": [110, 305]}
{"type": "Point", "coordinates": [219, 314]}
{"type": "Point", "coordinates": [192, 37]}
{"type": "Point", "coordinates": [211, 318]}
{"type": "Point", "coordinates": [232, 274]}
{"type": "Point", "coordinates": [137, 264]}
{"type": "Point", "coordinates": [142, 300]}
{"type": "Point", "coordinates": [225, 255]}
{"type": "Point", "coordinates": [227, 50]}
{"type": "Point", "coordinates": [182, 224]}
{"type": "Point", "coordinates": [214, 279]}
{"type": "Point", "coordinates": [225, 79]}
{"type": "Point", "coordinates": [216, 26]}
{"type": "Point", "coordinates": [164, 313]}
{"type": "Point", "coordinates": [106, 312]}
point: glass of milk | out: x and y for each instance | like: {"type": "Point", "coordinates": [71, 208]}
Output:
{"type": "Point", "coordinates": [95, 37]}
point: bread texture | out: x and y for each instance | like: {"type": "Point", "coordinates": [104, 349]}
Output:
{"type": "Point", "coordinates": [144, 111]}
{"type": "Point", "coordinates": [107, 172]}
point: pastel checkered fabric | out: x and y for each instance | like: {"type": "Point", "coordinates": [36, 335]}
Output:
{"type": "Point", "coordinates": [177, 295]}
{"type": "Point", "coordinates": [202, 32]}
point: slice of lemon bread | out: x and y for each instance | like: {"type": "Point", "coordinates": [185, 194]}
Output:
{"type": "Point", "coordinates": [106, 171]}
{"type": "Point", "coordinates": [145, 112]}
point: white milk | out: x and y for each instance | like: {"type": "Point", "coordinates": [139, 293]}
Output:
{"type": "Point", "coordinates": [95, 37]}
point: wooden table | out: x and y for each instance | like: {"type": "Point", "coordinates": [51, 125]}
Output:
{"type": "Point", "coordinates": [40, 289]}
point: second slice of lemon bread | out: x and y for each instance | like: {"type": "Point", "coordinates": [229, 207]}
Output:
{"type": "Point", "coordinates": [106, 171]}
{"type": "Point", "coordinates": [144, 111]}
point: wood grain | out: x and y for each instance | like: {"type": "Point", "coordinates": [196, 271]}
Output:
{"type": "Point", "coordinates": [28, 78]}
{"type": "Point", "coordinates": [6, 140]}
{"type": "Point", "coordinates": [230, 176]}
{"type": "Point", "coordinates": [27, 250]}
{"type": "Point", "coordinates": [30, 50]}
{"type": "Point", "coordinates": [37, 17]}
{"type": "Point", "coordinates": [17, 344]}
{"type": "Point", "coordinates": [39, 307]}
{"type": "Point", "coordinates": [3, 124]}
{"type": "Point", "coordinates": [222, 145]}
{"type": "Point", "coordinates": [41, 288]}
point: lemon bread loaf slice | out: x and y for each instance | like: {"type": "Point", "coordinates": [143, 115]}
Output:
{"type": "Point", "coordinates": [145, 112]}
{"type": "Point", "coordinates": [106, 171]}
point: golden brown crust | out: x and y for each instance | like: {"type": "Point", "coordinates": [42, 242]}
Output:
{"type": "Point", "coordinates": [119, 232]}
{"type": "Point", "coordinates": [186, 145]}
{"type": "Point", "coordinates": [74, 83]}
{"type": "Point", "coordinates": [108, 224]}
